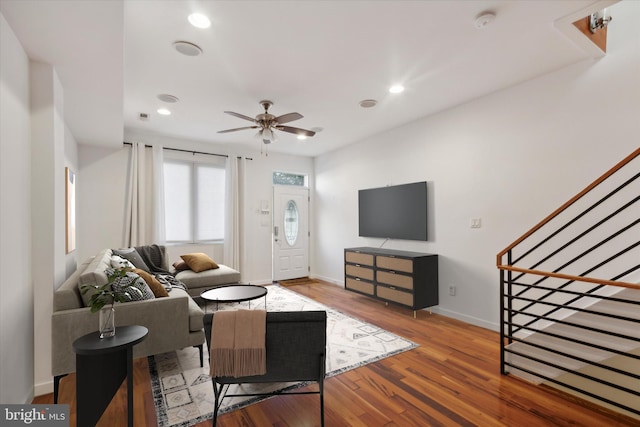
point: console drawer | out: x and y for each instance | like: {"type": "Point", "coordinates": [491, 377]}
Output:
{"type": "Point", "coordinates": [361, 272]}
{"type": "Point", "coordinates": [359, 285]}
{"type": "Point", "coordinates": [395, 295]}
{"type": "Point", "coordinates": [399, 280]}
{"type": "Point", "coordinates": [397, 264]}
{"type": "Point", "coordinates": [358, 258]}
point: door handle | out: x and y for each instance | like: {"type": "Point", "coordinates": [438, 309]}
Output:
{"type": "Point", "coordinates": [275, 230]}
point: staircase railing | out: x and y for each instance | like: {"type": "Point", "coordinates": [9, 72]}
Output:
{"type": "Point", "coordinates": [570, 294]}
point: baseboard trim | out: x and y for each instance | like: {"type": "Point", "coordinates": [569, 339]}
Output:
{"type": "Point", "coordinates": [43, 388]}
{"type": "Point", "coordinates": [467, 319]}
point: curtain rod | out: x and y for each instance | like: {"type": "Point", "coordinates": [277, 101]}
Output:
{"type": "Point", "coordinates": [189, 151]}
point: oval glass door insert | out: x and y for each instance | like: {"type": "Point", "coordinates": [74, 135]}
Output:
{"type": "Point", "coordinates": [291, 222]}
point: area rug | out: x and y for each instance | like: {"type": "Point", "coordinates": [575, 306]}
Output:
{"type": "Point", "coordinates": [182, 390]}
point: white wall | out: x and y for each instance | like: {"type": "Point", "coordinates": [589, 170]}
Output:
{"type": "Point", "coordinates": [49, 136]}
{"type": "Point", "coordinates": [16, 288]}
{"type": "Point", "coordinates": [510, 158]}
{"type": "Point", "coordinates": [102, 184]}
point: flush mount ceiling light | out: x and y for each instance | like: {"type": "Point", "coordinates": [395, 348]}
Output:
{"type": "Point", "coordinates": [168, 98]}
{"type": "Point", "coordinates": [484, 19]}
{"type": "Point", "coordinates": [368, 103]}
{"type": "Point", "coordinates": [396, 89]}
{"type": "Point", "coordinates": [164, 111]}
{"type": "Point", "coordinates": [199, 20]}
{"type": "Point", "coordinates": [187, 48]}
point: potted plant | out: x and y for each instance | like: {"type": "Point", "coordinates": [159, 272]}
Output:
{"type": "Point", "coordinates": [106, 294]}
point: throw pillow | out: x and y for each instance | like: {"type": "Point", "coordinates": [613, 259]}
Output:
{"type": "Point", "coordinates": [121, 285]}
{"type": "Point", "coordinates": [156, 287]}
{"type": "Point", "coordinates": [180, 265]}
{"type": "Point", "coordinates": [134, 257]}
{"type": "Point", "coordinates": [118, 262]}
{"type": "Point", "coordinates": [199, 262]}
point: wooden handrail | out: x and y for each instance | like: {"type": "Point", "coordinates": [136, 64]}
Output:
{"type": "Point", "coordinates": [570, 277]}
{"type": "Point", "coordinates": [571, 201]}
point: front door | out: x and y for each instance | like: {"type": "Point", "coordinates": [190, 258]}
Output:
{"type": "Point", "coordinates": [290, 232]}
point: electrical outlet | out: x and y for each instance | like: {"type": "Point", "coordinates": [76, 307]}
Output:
{"type": "Point", "coordinates": [452, 291]}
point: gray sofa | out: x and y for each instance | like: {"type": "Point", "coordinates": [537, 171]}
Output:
{"type": "Point", "coordinates": [174, 322]}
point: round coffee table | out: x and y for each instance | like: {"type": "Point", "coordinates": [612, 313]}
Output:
{"type": "Point", "coordinates": [235, 293]}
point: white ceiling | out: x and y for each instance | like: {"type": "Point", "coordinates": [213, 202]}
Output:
{"type": "Point", "coordinates": [318, 58]}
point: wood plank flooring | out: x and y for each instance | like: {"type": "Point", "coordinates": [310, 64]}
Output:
{"type": "Point", "coordinates": [452, 379]}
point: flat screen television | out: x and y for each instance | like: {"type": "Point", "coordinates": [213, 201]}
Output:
{"type": "Point", "coordinates": [394, 212]}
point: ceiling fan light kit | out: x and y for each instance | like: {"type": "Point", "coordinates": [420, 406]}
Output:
{"type": "Point", "coordinates": [267, 123]}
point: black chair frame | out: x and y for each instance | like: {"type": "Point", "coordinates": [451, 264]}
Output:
{"type": "Point", "coordinates": [296, 352]}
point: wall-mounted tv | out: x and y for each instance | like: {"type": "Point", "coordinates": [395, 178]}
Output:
{"type": "Point", "coordinates": [394, 212]}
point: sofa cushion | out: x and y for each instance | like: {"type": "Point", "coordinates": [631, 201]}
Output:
{"type": "Point", "coordinates": [210, 278]}
{"type": "Point", "coordinates": [67, 296]}
{"type": "Point", "coordinates": [134, 257]}
{"type": "Point", "coordinates": [122, 285]}
{"type": "Point", "coordinates": [180, 265]}
{"type": "Point", "coordinates": [199, 262]}
{"type": "Point", "coordinates": [94, 274]}
{"type": "Point", "coordinates": [118, 262]}
{"type": "Point", "coordinates": [153, 283]}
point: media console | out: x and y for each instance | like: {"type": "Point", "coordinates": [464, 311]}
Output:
{"type": "Point", "coordinates": [406, 278]}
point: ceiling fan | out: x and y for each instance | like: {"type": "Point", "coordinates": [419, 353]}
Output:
{"type": "Point", "coordinates": [267, 123]}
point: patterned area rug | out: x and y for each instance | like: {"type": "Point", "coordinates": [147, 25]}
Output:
{"type": "Point", "coordinates": [182, 390]}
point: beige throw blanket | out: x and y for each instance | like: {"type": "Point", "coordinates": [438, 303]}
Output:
{"type": "Point", "coordinates": [238, 344]}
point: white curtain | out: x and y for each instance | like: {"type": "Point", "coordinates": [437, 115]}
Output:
{"type": "Point", "coordinates": [144, 208]}
{"type": "Point", "coordinates": [234, 218]}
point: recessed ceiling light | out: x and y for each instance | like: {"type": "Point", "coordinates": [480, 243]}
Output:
{"type": "Point", "coordinates": [168, 98]}
{"type": "Point", "coordinates": [199, 20]}
{"type": "Point", "coordinates": [368, 103]}
{"type": "Point", "coordinates": [396, 89]}
{"type": "Point", "coordinates": [187, 48]}
{"type": "Point", "coordinates": [302, 137]}
{"type": "Point", "coordinates": [164, 111]}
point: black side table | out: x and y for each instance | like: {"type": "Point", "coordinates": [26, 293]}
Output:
{"type": "Point", "coordinates": [101, 366]}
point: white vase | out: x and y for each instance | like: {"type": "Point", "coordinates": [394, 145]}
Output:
{"type": "Point", "coordinates": [107, 322]}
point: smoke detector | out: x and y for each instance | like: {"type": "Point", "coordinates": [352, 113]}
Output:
{"type": "Point", "coordinates": [484, 19]}
{"type": "Point", "coordinates": [368, 103]}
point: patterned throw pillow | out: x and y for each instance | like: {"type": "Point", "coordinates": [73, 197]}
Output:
{"type": "Point", "coordinates": [119, 262]}
{"type": "Point", "coordinates": [121, 285]}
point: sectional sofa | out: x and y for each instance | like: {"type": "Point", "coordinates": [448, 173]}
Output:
{"type": "Point", "coordinates": [174, 321]}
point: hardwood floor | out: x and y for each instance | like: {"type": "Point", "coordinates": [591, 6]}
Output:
{"type": "Point", "coordinates": [452, 379]}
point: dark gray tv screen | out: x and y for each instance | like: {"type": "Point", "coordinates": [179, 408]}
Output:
{"type": "Point", "coordinates": [394, 212]}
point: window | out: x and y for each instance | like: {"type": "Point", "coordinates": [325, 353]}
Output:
{"type": "Point", "coordinates": [286, 178]}
{"type": "Point", "coordinates": [194, 197]}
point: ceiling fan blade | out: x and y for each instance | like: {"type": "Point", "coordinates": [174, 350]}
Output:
{"type": "Point", "coordinates": [235, 129]}
{"type": "Point", "coordinates": [286, 118]}
{"type": "Point", "coordinates": [297, 131]}
{"type": "Point", "coordinates": [241, 116]}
